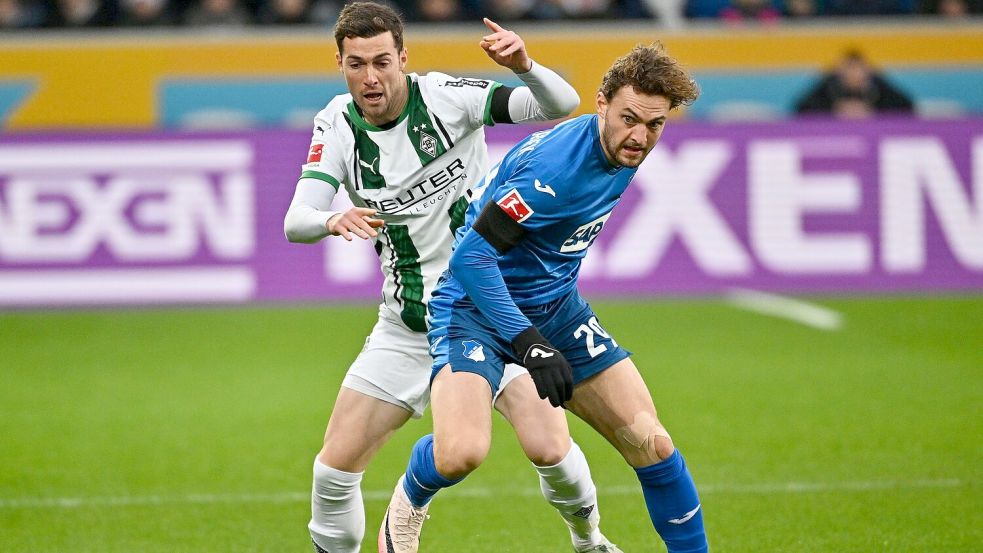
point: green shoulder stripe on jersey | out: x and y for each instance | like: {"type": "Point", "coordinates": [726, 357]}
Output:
{"type": "Point", "coordinates": [456, 213]}
{"type": "Point", "coordinates": [420, 128]}
{"type": "Point", "coordinates": [409, 277]}
{"type": "Point", "coordinates": [321, 176]}
{"type": "Point", "coordinates": [361, 123]}
{"type": "Point", "coordinates": [491, 91]}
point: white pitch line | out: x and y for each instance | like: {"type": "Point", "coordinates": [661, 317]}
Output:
{"type": "Point", "coordinates": [764, 488]}
{"type": "Point", "coordinates": [783, 307]}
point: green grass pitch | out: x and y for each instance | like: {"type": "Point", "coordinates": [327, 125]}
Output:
{"type": "Point", "coordinates": [193, 430]}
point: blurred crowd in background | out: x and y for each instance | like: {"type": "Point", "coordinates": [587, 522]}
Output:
{"type": "Point", "coordinates": [84, 14]}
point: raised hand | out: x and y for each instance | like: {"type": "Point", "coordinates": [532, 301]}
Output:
{"type": "Point", "coordinates": [505, 48]}
{"type": "Point", "coordinates": [359, 221]}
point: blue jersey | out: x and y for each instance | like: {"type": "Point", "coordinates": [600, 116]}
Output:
{"type": "Point", "coordinates": [558, 185]}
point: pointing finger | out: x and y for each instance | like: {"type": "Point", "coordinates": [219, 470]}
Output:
{"type": "Point", "coordinates": [492, 25]}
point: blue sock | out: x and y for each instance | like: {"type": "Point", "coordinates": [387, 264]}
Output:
{"type": "Point", "coordinates": [422, 480]}
{"type": "Point", "coordinates": [673, 505]}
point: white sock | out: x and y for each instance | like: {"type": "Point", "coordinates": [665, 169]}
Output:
{"type": "Point", "coordinates": [337, 513]}
{"type": "Point", "coordinates": [568, 486]}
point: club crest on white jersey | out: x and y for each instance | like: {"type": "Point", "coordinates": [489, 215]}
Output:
{"type": "Point", "coordinates": [428, 144]}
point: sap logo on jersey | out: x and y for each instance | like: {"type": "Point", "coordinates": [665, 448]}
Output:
{"type": "Point", "coordinates": [585, 235]}
{"type": "Point", "coordinates": [473, 350]}
{"type": "Point", "coordinates": [516, 208]}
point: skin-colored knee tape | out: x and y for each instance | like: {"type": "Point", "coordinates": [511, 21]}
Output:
{"type": "Point", "coordinates": [641, 433]}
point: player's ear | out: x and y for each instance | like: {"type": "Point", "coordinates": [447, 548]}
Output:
{"type": "Point", "coordinates": [337, 59]}
{"type": "Point", "coordinates": [403, 56]}
{"type": "Point", "coordinates": [602, 104]}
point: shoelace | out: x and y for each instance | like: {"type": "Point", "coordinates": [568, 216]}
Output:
{"type": "Point", "coordinates": [408, 531]}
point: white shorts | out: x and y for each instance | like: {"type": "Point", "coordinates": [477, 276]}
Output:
{"type": "Point", "coordinates": [395, 366]}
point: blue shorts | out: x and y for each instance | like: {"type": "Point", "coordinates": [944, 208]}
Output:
{"type": "Point", "coordinates": [460, 335]}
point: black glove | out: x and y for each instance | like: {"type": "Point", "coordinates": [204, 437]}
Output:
{"type": "Point", "coordinates": [547, 366]}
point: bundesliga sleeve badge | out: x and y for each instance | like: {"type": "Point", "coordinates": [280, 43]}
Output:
{"type": "Point", "coordinates": [314, 155]}
{"type": "Point", "coordinates": [516, 208]}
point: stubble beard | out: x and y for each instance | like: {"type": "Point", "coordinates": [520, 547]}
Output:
{"type": "Point", "coordinates": [613, 148]}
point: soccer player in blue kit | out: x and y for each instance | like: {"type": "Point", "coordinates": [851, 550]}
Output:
{"type": "Point", "coordinates": [510, 295]}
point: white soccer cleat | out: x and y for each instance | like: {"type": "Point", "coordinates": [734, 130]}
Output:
{"type": "Point", "coordinates": [402, 525]}
{"type": "Point", "coordinates": [593, 518]}
{"type": "Point", "coordinates": [606, 547]}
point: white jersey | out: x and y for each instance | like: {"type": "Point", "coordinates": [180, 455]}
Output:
{"type": "Point", "coordinates": [418, 174]}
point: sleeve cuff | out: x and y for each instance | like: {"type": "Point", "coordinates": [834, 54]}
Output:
{"type": "Point", "coordinates": [488, 121]}
{"type": "Point", "coordinates": [321, 176]}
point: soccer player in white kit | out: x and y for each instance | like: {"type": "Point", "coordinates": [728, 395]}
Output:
{"type": "Point", "coordinates": [408, 149]}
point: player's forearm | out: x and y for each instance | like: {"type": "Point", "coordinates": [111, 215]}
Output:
{"type": "Point", "coordinates": [306, 225]}
{"type": "Point", "coordinates": [307, 217]}
{"type": "Point", "coordinates": [546, 96]}
{"type": "Point", "coordinates": [475, 265]}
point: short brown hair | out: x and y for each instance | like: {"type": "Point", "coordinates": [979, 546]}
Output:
{"type": "Point", "coordinates": [366, 20]}
{"type": "Point", "coordinates": [650, 70]}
